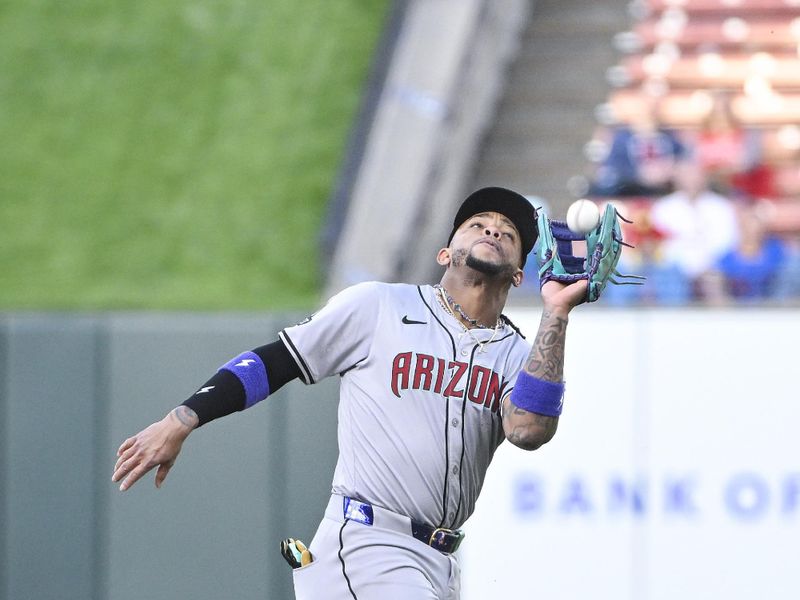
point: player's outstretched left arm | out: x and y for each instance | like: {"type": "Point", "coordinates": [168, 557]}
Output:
{"type": "Point", "coordinates": [531, 411]}
{"type": "Point", "coordinates": [239, 384]}
{"type": "Point", "coordinates": [156, 446]}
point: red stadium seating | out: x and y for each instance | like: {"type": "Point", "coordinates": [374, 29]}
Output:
{"type": "Point", "coordinates": [761, 34]}
{"type": "Point", "coordinates": [721, 71]}
{"type": "Point", "coordinates": [688, 109]}
{"type": "Point", "coordinates": [687, 52]}
{"type": "Point", "coordinates": [728, 7]}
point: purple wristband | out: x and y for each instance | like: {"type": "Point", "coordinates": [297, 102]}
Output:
{"type": "Point", "coordinates": [250, 370]}
{"type": "Point", "coordinates": [537, 395]}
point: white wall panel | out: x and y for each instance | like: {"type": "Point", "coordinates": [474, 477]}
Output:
{"type": "Point", "coordinates": [675, 472]}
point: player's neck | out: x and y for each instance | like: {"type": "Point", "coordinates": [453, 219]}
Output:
{"type": "Point", "coordinates": [482, 299]}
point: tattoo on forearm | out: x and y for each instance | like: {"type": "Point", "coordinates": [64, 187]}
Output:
{"type": "Point", "coordinates": [186, 416]}
{"type": "Point", "coordinates": [546, 360]}
{"type": "Point", "coordinates": [531, 426]}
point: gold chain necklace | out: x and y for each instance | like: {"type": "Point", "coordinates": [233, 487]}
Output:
{"type": "Point", "coordinates": [446, 300]}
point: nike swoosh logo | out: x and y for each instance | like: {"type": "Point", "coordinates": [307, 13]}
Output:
{"type": "Point", "coordinates": [408, 321]}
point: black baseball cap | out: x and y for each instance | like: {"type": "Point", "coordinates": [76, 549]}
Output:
{"type": "Point", "coordinates": [508, 203]}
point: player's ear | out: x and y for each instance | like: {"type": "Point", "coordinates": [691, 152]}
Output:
{"type": "Point", "coordinates": [443, 257]}
{"type": "Point", "coordinates": [516, 278]}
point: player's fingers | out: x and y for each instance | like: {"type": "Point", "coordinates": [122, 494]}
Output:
{"type": "Point", "coordinates": [128, 461]}
{"type": "Point", "coordinates": [124, 457]}
{"type": "Point", "coordinates": [126, 444]}
{"type": "Point", "coordinates": [134, 476]}
{"type": "Point", "coordinates": [162, 472]}
{"type": "Point", "coordinates": [124, 468]}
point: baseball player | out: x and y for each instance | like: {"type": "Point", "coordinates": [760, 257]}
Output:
{"type": "Point", "coordinates": [433, 379]}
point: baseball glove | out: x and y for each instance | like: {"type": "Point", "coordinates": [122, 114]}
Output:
{"type": "Point", "coordinates": [603, 249]}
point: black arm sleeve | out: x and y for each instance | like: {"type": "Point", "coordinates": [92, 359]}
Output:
{"type": "Point", "coordinates": [223, 394]}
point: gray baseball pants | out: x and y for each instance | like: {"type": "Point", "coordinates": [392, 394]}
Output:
{"type": "Point", "coordinates": [382, 561]}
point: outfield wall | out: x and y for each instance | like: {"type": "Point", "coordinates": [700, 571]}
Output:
{"type": "Point", "coordinates": [675, 472]}
{"type": "Point", "coordinates": [74, 387]}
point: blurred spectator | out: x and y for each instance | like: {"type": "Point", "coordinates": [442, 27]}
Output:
{"type": "Point", "coordinates": [666, 284]}
{"type": "Point", "coordinates": [752, 268]}
{"type": "Point", "coordinates": [787, 284]}
{"type": "Point", "coordinates": [730, 154]}
{"type": "Point", "coordinates": [699, 227]}
{"type": "Point", "coordinates": [640, 158]}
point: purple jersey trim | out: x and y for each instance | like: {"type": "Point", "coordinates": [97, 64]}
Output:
{"type": "Point", "coordinates": [537, 395]}
{"type": "Point", "coordinates": [251, 371]}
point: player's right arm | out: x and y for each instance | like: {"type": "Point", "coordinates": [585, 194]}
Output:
{"type": "Point", "coordinates": [332, 340]}
{"type": "Point", "coordinates": [531, 411]}
{"type": "Point", "coordinates": [238, 384]}
{"type": "Point", "coordinates": [528, 421]}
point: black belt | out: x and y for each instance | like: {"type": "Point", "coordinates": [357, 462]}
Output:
{"type": "Point", "coordinates": [444, 540]}
{"type": "Point", "coordinates": [440, 538]}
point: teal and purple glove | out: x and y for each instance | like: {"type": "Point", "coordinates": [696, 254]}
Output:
{"type": "Point", "coordinates": [603, 250]}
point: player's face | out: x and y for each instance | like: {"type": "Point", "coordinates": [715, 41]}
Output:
{"type": "Point", "coordinates": [489, 243]}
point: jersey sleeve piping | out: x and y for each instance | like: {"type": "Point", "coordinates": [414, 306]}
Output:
{"type": "Point", "coordinates": [305, 372]}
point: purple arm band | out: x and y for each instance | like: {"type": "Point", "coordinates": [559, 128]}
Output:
{"type": "Point", "coordinates": [537, 395]}
{"type": "Point", "coordinates": [250, 370]}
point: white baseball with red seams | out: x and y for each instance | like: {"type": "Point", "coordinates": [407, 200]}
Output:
{"type": "Point", "coordinates": [419, 414]}
{"type": "Point", "coordinates": [583, 216]}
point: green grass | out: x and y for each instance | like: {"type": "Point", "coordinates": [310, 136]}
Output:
{"type": "Point", "coordinates": [173, 155]}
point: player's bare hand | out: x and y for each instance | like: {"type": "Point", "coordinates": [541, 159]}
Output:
{"type": "Point", "coordinates": [156, 446]}
{"type": "Point", "coordinates": [565, 297]}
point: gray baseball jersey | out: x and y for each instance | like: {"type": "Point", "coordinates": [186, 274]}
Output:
{"type": "Point", "coordinates": [419, 409]}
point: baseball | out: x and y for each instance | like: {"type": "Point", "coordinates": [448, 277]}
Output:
{"type": "Point", "coordinates": [583, 216]}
